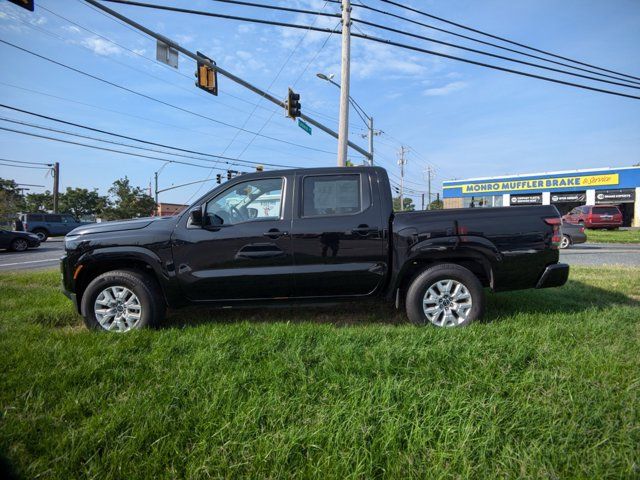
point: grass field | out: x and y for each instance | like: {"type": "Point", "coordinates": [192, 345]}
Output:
{"type": "Point", "coordinates": [546, 388]}
{"type": "Point", "coordinates": [613, 236]}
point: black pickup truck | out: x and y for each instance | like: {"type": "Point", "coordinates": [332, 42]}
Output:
{"type": "Point", "coordinates": [309, 235]}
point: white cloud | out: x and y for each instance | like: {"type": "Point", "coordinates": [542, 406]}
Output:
{"type": "Point", "coordinates": [245, 28]}
{"type": "Point", "coordinates": [100, 46]}
{"type": "Point", "coordinates": [71, 28]}
{"type": "Point", "coordinates": [445, 90]}
{"type": "Point", "coordinates": [184, 38]}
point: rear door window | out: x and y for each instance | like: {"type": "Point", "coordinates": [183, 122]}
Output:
{"type": "Point", "coordinates": [35, 218]}
{"type": "Point", "coordinates": [327, 195]}
{"type": "Point", "coordinates": [606, 210]}
{"type": "Point", "coordinates": [54, 218]}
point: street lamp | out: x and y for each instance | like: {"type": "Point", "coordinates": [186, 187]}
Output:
{"type": "Point", "coordinates": [368, 120]}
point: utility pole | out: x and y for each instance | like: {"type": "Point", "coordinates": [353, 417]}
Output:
{"type": "Point", "coordinates": [56, 185]}
{"type": "Point", "coordinates": [430, 174]}
{"type": "Point", "coordinates": [343, 125]}
{"type": "Point", "coordinates": [422, 202]}
{"type": "Point", "coordinates": [155, 176]}
{"type": "Point", "coordinates": [371, 133]}
{"type": "Point", "coordinates": [402, 161]}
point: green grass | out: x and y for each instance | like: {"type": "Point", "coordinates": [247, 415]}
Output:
{"type": "Point", "coordinates": [547, 388]}
{"type": "Point", "coordinates": [613, 236]}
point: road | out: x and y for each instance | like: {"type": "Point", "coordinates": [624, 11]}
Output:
{"type": "Point", "coordinates": [49, 253]}
{"type": "Point", "coordinates": [595, 254]}
{"type": "Point", "coordinates": [46, 256]}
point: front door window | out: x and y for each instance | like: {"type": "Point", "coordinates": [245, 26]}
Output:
{"type": "Point", "coordinates": [253, 200]}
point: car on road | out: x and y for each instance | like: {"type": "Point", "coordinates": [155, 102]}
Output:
{"type": "Point", "coordinates": [572, 234]}
{"type": "Point", "coordinates": [309, 236]}
{"type": "Point", "coordinates": [46, 225]}
{"type": "Point", "coordinates": [595, 216]}
{"type": "Point", "coordinates": [18, 241]}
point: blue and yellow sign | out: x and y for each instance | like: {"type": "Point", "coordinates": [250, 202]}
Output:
{"type": "Point", "coordinates": [563, 181]}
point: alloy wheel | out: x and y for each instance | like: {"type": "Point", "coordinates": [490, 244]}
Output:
{"type": "Point", "coordinates": [20, 245]}
{"type": "Point", "coordinates": [117, 309]}
{"type": "Point", "coordinates": [447, 303]}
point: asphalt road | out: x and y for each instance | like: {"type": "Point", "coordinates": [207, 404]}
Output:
{"type": "Point", "coordinates": [46, 256]}
{"type": "Point", "coordinates": [49, 253]}
{"type": "Point", "coordinates": [595, 254]}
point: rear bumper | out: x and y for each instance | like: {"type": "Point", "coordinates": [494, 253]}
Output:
{"type": "Point", "coordinates": [554, 275]}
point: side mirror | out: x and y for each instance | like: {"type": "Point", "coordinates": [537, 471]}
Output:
{"type": "Point", "coordinates": [252, 213]}
{"type": "Point", "coordinates": [195, 217]}
{"type": "Point", "coordinates": [213, 222]}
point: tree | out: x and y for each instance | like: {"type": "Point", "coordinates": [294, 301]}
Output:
{"type": "Point", "coordinates": [126, 201]}
{"type": "Point", "coordinates": [436, 204]}
{"type": "Point", "coordinates": [11, 200]}
{"type": "Point", "coordinates": [407, 202]}
{"type": "Point", "coordinates": [39, 202]}
{"type": "Point", "coordinates": [80, 202]}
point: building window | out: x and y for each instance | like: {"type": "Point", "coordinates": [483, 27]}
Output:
{"type": "Point", "coordinates": [482, 202]}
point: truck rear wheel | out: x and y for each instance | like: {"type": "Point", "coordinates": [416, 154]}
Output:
{"type": "Point", "coordinates": [122, 300]}
{"type": "Point", "coordinates": [445, 295]}
{"type": "Point", "coordinates": [42, 234]}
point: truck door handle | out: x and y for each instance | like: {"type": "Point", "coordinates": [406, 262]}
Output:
{"type": "Point", "coordinates": [275, 233]}
{"type": "Point", "coordinates": [363, 230]}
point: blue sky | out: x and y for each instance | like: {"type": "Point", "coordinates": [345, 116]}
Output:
{"type": "Point", "coordinates": [463, 120]}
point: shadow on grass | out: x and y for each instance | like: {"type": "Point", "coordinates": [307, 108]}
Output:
{"type": "Point", "coordinates": [574, 297]}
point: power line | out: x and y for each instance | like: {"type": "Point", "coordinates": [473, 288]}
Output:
{"type": "Point", "coordinates": [135, 139]}
{"type": "Point", "coordinates": [274, 7]}
{"type": "Point", "coordinates": [96, 147]}
{"type": "Point", "coordinates": [378, 40]}
{"type": "Point", "coordinates": [494, 67]}
{"type": "Point", "coordinates": [90, 105]}
{"type": "Point", "coordinates": [162, 102]}
{"type": "Point", "coordinates": [483, 42]}
{"type": "Point", "coordinates": [23, 166]}
{"type": "Point", "coordinates": [88, 137]}
{"type": "Point", "coordinates": [25, 162]}
{"type": "Point", "coordinates": [489, 54]}
{"type": "Point", "coordinates": [465, 27]}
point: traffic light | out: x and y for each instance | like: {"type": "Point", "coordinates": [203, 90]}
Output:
{"type": "Point", "coordinates": [293, 104]}
{"type": "Point", "coordinates": [229, 174]}
{"type": "Point", "coordinates": [259, 168]}
{"type": "Point", "coordinates": [28, 4]}
{"type": "Point", "coordinates": [219, 178]}
{"type": "Point", "coordinates": [207, 76]}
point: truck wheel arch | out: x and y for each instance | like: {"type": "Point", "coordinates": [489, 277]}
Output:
{"type": "Point", "coordinates": [99, 262]}
{"type": "Point", "coordinates": [480, 267]}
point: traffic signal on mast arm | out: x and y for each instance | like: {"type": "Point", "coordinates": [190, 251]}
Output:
{"type": "Point", "coordinates": [207, 77]}
{"type": "Point", "coordinates": [28, 4]}
{"type": "Point", "coordinates": [293, 105]}
{"type": "Point", "coordinates": [219, 178]}
{"type": "Point", "coordinates": [259, 168]}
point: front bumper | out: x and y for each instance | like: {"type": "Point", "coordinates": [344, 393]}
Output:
{"type": "Point", "coordinates": [68, 283]}
{"type": "Point", "coordinates": [554, 275]}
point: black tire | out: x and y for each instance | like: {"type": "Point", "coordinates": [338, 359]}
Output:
{"type": "Point", "coordinates": [42, 234]}
{"type": "Point", "coordinates": [142, 285]}
{"type": "Point", "coordinates": [19, 245]}
{"type": "Point", "coordinates": [432, 275]}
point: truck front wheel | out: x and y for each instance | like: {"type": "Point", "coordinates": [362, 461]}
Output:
{"type": "Point", "coordinates": [122, 300]}
{"type": "Point", "coordinates": [445, 295]}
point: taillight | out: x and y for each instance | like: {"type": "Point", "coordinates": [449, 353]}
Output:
{"type": "Point", "coordinates": [26, 226]}
{"type": "Point", "coordinates": [556, 238]}
{"type": "Point", "coordinates": [581, 229]}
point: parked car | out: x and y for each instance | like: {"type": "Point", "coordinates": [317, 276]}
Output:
{"type": "Point", "coordinates": [46, 225]}
{"type": "Point", "coordinates": [309, 235]}
{"type": "Point", "coordinates": [572, 234]}
{"type": "Point", "coordinates": [595, 216]}
{"type": "Point", "coordinates": [18, 241]}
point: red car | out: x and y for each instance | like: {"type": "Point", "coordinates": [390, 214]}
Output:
{"type": "Point", "coordinates": [599, 216]}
